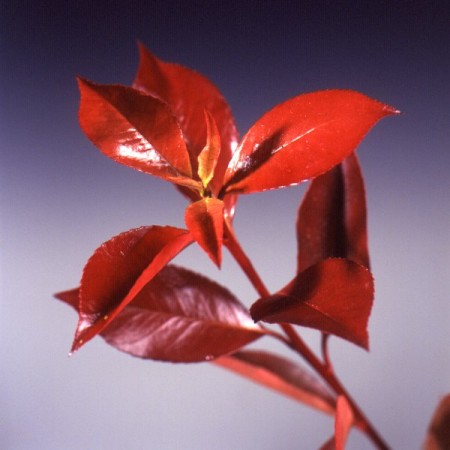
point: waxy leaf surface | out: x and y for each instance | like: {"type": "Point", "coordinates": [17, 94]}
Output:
{"type": "Point", "coordinates": [135, 129]}
{"type": "Point", "coordinates": [204, 219]}
{"type": "Point", "coordinates": [334, 296]}
{"type": "Point", "coordinates": [207, 159]}
{"type": "Point", "coordinates": [179, 316]}
{"type": "Point", "coordinates": [188, 94]}
{"type": "Point", "coordinates": [332, 219]}
{"type": "Point", "coordinates": [280, 374]}
{"type": "Point", "coordinates": [301, 139]}
{"type": "Point", "coordinates": [438, 436]}
{"type": "Point", "coordinates": [118, 270]}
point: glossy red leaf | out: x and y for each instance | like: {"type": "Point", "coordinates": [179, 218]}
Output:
{"type": "Point", "coordinates": [282, 375]}
{"type": "Point", "coordinates": [438, 435]}
{"type": "Point", "coordinates": [135, 129]}
{"type": "Point", "coordinates": [334, 296]}
{"type": "Point", "coordinates": [204, 219]}
{"type": "Point", "coordinates": [118, 270]}
{"type": "Point", "coordinates": [207, 159]}
{"type": "Point", "coordinates": [180, 316]}
{"type": "Point", "coordinates": [301, 139]}
{"type": "Point", "coordinates": [188, 93]}
{"type": "Point", "coordinates": [332, 219]}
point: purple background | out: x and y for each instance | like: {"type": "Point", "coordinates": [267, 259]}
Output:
{"type": "Point", "coordinates": [60, 198]}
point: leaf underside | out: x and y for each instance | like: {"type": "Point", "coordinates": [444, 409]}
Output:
{"type": "Point", "coordinates": [334, 296]}
{"type": "Point", "coordinates": [332, 218]}
{"type": "Point", "coordinates": [282, 375]}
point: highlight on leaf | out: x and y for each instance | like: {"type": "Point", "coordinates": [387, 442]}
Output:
{"type": "Point", "coordinates": [136, 130]}
{"type": "Point", "coordinates": [282, 375]}
{"type": "Point", "coordinates": [208, 157]}
{"type": "Point", "coordinates": [334, 296]}
{"type": "Point", "coordinates": [302, 138]}
{"type": "Point", "coordinates": [332, 218]}
{"type": "Point", "coordinates": [188, 94]}
{"type": "Point", "coordinates": [118, 270]}
{"type": "Point", "coordinates": [179, 316]}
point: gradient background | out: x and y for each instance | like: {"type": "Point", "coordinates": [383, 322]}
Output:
{"type": "Point", "coordinates": [60, 198]}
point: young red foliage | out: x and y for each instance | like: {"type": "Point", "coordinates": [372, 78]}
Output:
{"type": "Point", "coordinates": [175, 124]}
{"type": "Point", "coordinates": [116, 120]}
{"type": "Point", "coordinates": [334, 296]}
{"type": "Point", "coordinates": [302, 138]}
{"type": "Point", "coordinates": [178, 316]}
{"type": "Point", "coordinates": [204, 219]}
{"type": "Point", "coordinates": [332, 219]}
{"type": "Point", "coordinates": [209, 156]}
{"type": "Point", "coordinates": [118, 270]}
{"type": "Point", "coordinates": [188, 94]}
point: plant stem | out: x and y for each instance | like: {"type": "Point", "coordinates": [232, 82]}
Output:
{"type": "Point", "coordinates": [324, 369]}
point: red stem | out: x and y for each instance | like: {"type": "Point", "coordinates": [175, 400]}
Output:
{"type": "Point", "coordinates": [324, 369]}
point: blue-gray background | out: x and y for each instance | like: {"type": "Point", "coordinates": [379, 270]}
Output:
{"type": "Point", "coordinates": [60, 198]}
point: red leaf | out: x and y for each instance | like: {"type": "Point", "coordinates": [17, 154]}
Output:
{"type": "Point", "coordinates": [136, 130]}
{"type": "Point", "coordinates": [71, 297]}
{"type": "Point", "coordinates": [280, 374]}
{"type": "Point", "coordinates": [180, 316]}
{"type": "Point", "coordinates": [332, 217]}
{"type": "Point", "coordinates": [343, 422]}
{"type": "Point", "coordinates": [205, 221]}
{"type": "Point", "coordinates": [207, 159]}
{"type": "Point", "coordinates": [342, 425]}
{"type": "Point", "coordinates": [189, 94]}
{"type": "Point", "coordinates": [334, 296]}
{"type": "Point", "coordinates": [438, 436]}
{"type": "Point", "coordinates": [118, 270]}
{"type": "Point", "coordinates": [302, 138]}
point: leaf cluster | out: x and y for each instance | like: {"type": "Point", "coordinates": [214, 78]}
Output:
{"type": "Point", "coordinates": [173, 123]}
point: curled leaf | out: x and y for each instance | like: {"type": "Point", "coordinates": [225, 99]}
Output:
{"type": "Point", "coordinates": [118, 270]}
{"type": "Point", "coordinates": [180, 316]}
{"type": "Point", "coordinates": [204, 219]}
{"type": "Point", "coordinates": [332, 218]}
{"type": "Point", "coordinates": [302, 138]}
{"type": "Point", "coordinates": [188, 94]}
{"type": "Point", "coordinates": [136, 130]}
{"type": "Point", "coordinates": [334, 296]}
{"type": "Point", "coordinates": [280, 374]}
